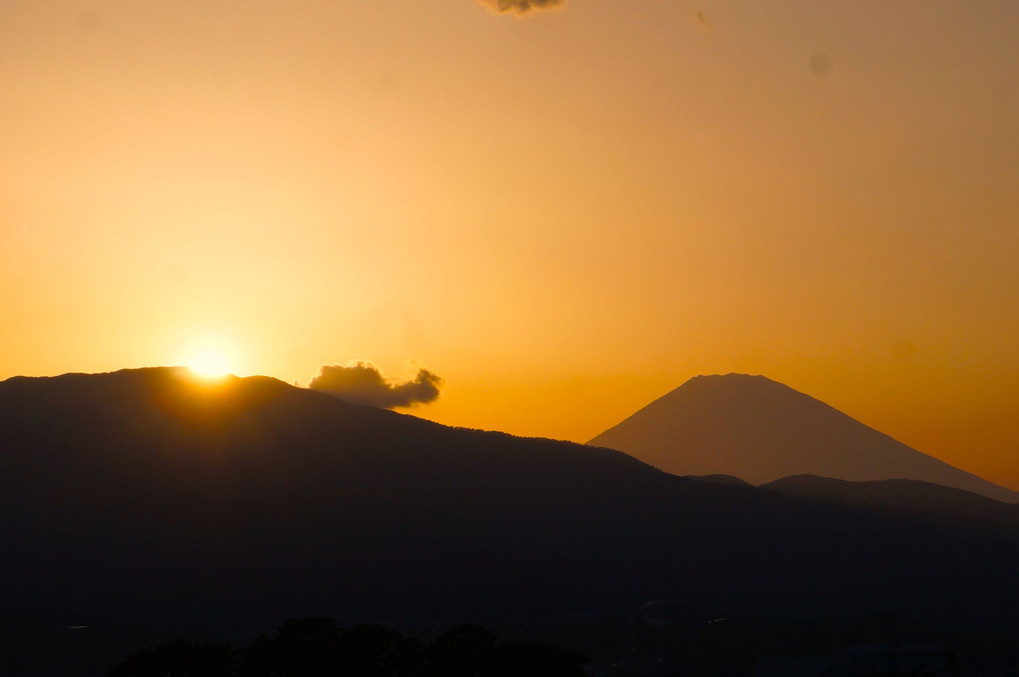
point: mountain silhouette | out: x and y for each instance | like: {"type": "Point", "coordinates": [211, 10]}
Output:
{"type": "Point", "coordinates": [720, 479]}
{"type": "Point", "coordinates": [153, 498]}
{"type": "Point", "coordinates": [912, 495]}
{"type": "Point", "coordinates": [759, 430]}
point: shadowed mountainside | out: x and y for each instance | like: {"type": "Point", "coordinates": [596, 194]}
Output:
{"type": "Point", "coordinates": [760, 431]}
{"type": "Point", "coordinates": [719, 479]}
{"type": "Point", "coordinates": [148, 496]}
{"type": "Point", "coordinates": [913, 495]}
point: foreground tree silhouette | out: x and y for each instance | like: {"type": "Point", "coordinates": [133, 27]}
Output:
{"type": "Point", "coordinates": [465, 651]}
{"type": "Point", "coordinates": [318, 647]}
{"type": "Point", "coordinates": [377, 651]}
{"type": "Point", "coordinates": [302, 647]}
{"type": "Point", "coordinates": [473, 651]}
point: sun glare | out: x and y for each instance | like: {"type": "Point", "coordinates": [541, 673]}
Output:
{"type": "Point", "coordinates": [210, 364]}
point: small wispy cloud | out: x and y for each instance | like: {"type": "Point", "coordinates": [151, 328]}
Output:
{"type": "Point", "coordinates": [362, 383]}
{"type": "Point", "coordinates": [702, 20]}
{"type": "Point", "coordinates": [521, 6]}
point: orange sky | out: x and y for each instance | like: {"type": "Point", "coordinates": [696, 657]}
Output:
{"type": "Point", "coordinates": [564, 215]}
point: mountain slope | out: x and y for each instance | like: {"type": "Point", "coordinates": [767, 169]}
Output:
{"type": "Point", "coordinates": [760, 431]}
{"type": "Point", "coordinates": [146, 496]}
{"type": "Point", "coordinates": [912, 495]}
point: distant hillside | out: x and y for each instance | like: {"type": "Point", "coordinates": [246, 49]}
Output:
{"type": "Point", "coordinates": [719, 479]}
{"type": "Point", "coordinates": [151, 498]}
{"type": "Point", "coordinates": [760, 431]}
{"type": "Point", "coordinates": [906, 494]}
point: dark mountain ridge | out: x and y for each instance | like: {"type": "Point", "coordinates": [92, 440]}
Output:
{"type": "Point", "coordinates": [149, 496]}
{"type": "Point", "coordinates": [914, 495]}
{"type": "Point", "coordinates": [759, 430]}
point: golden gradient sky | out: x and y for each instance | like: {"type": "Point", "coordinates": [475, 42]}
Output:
{"type": "Point", "coordinates": [564, 215]}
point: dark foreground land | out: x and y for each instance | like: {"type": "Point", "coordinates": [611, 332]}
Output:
{"type": "Point", "coordinates": [145, 499]}
{"type": "Point", "coordinates": [318, 646]}
{"type": "Point", "coordinates": [644, 645]}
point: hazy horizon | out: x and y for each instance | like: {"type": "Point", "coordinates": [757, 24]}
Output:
{"type": "Point", "coordinates": [560, 216]}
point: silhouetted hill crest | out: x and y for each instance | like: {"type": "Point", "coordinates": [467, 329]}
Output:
{"type": "Point", "coordinates": [142, 495]}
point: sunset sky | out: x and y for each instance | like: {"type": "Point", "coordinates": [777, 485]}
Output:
{"type": "Point", "coordinates": [564, 213]}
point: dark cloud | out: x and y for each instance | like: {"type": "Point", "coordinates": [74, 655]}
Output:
{"type": "Point", "coordinates": [363, 383]}
{"type": "Point", "coordinates": [521, 6]}
{"type": "Point", "coordinates": [702, 20]}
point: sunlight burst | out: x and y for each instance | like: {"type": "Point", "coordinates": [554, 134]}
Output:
{"type": "Point", "coordinates": [210, 364]}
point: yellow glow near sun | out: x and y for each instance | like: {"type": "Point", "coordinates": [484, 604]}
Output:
{"type": "Point", "coordinates": [210, 364]}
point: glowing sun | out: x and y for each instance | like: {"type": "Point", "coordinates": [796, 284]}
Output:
{"type": "Point", "coordinates": [210, 364]}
